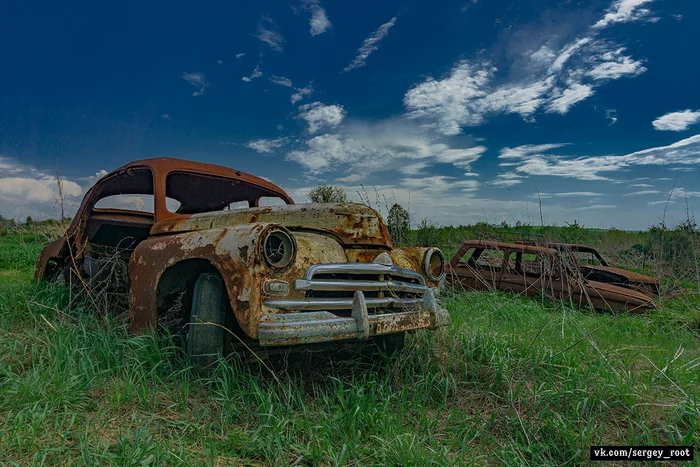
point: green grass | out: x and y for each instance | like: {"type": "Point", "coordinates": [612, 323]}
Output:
{"type": "Point", "coordinates": [498, 387]}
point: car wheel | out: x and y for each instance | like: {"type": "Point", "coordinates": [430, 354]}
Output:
{"type": "Point", "coordinates": [205, 333]}
{"type": "Point", "coordinates": [390, 344]}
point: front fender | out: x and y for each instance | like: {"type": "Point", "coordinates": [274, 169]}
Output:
{"type": "Point", "coordinates": [231, 250]}
{"type": "Point", "coordinates": [51, 251]}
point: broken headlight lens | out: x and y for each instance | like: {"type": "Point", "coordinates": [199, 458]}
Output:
{"type": "Point", "coordinates": [434, 264]}
{"type": "Point", "coordinates": [279, 248]}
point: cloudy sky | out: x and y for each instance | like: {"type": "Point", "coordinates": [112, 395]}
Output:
{"type": "Point", "coordinates": [461, 111]}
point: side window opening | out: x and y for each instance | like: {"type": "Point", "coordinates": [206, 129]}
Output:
{"type": "Point", "coordinates": [467, 257]}
{"type": "Point", "coordinates": [491, 259]}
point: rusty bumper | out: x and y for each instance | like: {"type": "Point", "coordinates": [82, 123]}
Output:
{"type": "Point", "coordinates": [324, 326]}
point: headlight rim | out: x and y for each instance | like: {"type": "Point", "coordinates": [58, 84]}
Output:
{"type": "Point", "coordinates": [292, 242]}
{"type": "Point", "coordinates": [426, 264]}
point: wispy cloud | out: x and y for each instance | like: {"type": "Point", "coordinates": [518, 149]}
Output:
{"type": "Point", "coordinates": [319, 22]}
{"type": "Point", "coordinates": [267, 146]}
{"type": "Point", "coordinates": [198, 80]}
{"type": "Point", "coordinates": [677, 121]}
{"type": "Point", "coordinates": [300, 93]}
{"type": "Point", "coordinates": [318, 115]}
{"type": "Point", "coordinates": [167, 117]}
{"type": "Point", "coordinates": [255, 74]}
{"type": "Point", "coordinates": [281, 80]}
{"type": "Point", "coordinates": [538, 160]}
{"type": "Point", "coordinates": [624, 11]}
{"type": "Point", "coordinates": [269, 36]}
{"type": "Point", "coordinates": [393, 145]}
{"type": "Point", "coordinates": [240, 55]}
{"type": "Point", "coordinates": [556, 81]}
{"type": "Point", "coordinates": [370, 45]}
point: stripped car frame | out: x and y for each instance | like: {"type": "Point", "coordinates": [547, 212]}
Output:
{"type": "Point", "coordinates": [532, 270]}
{"type": "Point", "coordinates": [291, 274]}
{"type": "Point", "coordinates": [602, 271]}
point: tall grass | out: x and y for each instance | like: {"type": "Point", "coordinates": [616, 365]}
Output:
{"type": "Point", "coordinates": [513, 381]}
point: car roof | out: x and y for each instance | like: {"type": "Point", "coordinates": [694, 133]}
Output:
{"type": "Point", "coordinates": [162, 166]}
{"type": "Point", "coordinates": [510, 246]}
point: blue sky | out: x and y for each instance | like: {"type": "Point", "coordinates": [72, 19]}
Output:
{"type": "Point", "coordinates": [461, 111]}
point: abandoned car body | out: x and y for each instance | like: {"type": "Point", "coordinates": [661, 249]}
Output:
{"type": "Point", "coordinates": [531, 270]}
{"type": "Point", "coordinates": [239, 253]}
{"type": "Point", "coordinates": [594, 267]}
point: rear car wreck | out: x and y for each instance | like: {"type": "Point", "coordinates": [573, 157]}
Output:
{"type": "Point", "coordinates": [234, 250]}
{"type": "Point", "coordinates": [594, 267]}
{"type": "Point", "coordinates": [532, 270]}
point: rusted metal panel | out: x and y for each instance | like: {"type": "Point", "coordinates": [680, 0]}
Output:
{"type": "Point", "coordinates": [549, 273]}
{"type": "Point", "coordinates": [352, 224]}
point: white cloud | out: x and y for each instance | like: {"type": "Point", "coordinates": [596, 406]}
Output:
{"type": "Point", "coordinates": [318, 115]}
{"type": "Point", "coordinates": [623, 11]}
{"type": "Point", "coordinates": [167, 117]}
{"type": "Point", "coordinates": [300, 93]}
{"type": "Point", "coordinates": [611, 115]}
{"type": "Point", "coordinates": [576, 93]}
{"type": "Point", "coordinates": [385, 146]}
{"type": "Point", "coordinates": [642, 193]}
{"type": "Point", "coordinates": [508, 179]}
{"type": "Point", "coordinates": [370, 45]}
{"type": "Point", "coordinates": [575, 194]}
{"type": "Point", "coordinates": [677, 121]}
{"type": "Point", "coordinates": [282, 81]}
{"type": "Point", "coordinates": [534, 160]}
{"type": "Point", "coordinates": [240, 55]}
{"type": "Point", "coordinates": [680, 192]}
{"type": "Point", "coordinates": [615, 66]}
{"type": "Point", "coordinates": [255, 74]}
{"type": "Point", "coordinates": [270, 37]}
{"type": "Point", "coordinates": [198, 80]}
{"type": "Point", "coordinates": [642, 185]}
{"type": "Point", "coordinates": [319, 21]}
{"type": "Point", "coordinates": [220, 62]}
{"type": "Point", "coordinates": [27, 191]}
{"type": "Point", "coordinates": [267, 146]}
{"type": "Point", "coordinates": [555, 81]}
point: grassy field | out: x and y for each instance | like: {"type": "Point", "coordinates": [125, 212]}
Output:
{"type": "Point", "coordinates": [513, 381]}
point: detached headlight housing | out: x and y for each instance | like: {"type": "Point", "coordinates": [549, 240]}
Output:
{"type": "Point", "coordinates": [279, 248]}
{"type": "Point", "coordinates": [434, 264]}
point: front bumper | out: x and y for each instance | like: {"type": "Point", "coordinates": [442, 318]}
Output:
{"type": "Point", "coordinates": [323, 326]}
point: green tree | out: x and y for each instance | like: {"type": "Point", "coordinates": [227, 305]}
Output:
{"type": "Point", "coordinates": [328, 194]}
{"type": "Point", "coordinates": [398, 223]}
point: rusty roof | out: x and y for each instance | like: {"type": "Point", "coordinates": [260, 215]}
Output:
{"type": "Point", "coordinates": [162, 166]}
{"type": "Point", "coordinates": [511, 246]}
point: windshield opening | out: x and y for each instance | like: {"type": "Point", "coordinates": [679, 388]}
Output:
{"type": "Point", "coordinates": [198, 193]}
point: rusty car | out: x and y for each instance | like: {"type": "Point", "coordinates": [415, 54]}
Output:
{"type": "Point", "coordinates": [594, 267]}
{"type": "Point", "coordinates": [532, 270]}
{"type": "Point", "coordinates": [233, 250]}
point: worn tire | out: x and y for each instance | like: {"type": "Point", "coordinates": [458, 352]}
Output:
{"type": "Point", "coordinates": [205, 342]}
{"type": "Point", "coordinates": [390, 344]}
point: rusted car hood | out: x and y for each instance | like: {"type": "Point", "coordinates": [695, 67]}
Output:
{"type": "Point", "coordinates": [632, 276]}
{"type": "Point", "coordinates": [351, 223]}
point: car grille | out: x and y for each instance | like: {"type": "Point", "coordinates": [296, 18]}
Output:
{"type": "Point", "coordinates": [331, 287]}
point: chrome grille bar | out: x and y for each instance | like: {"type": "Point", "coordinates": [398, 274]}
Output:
{"type": "Point", "coordinates": [318, 304]}
{"type": "Point", "coordinates": [363, 268]}
{"type": "Point", "coordinates": [352, 285]}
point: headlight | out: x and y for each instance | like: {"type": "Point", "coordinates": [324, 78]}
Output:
{"type": "Point", "coordinates": [279, 248]}
{"type": "Point", "coordinates": [434, 264]}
